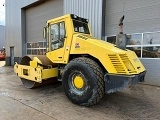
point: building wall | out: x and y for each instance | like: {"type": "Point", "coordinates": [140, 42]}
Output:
{"type": "Point", "coordinates": [2, 36]}
{"type": "Point", "coordinates": [152, 76]}
{"type": "Point", "coordinates": [13, 26]}
{"type": "Point", "coordinates": [90, 9]}
{"type": "Point", "coordinates": [37, 16]}
{"type": "Point", "coordinates": [17, 14]}
{"type": "Point", "coordinates": [35, 20]}
{"type": "Point", "coordinates": [140, 16]}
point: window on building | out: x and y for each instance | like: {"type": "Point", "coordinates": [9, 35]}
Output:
{"type": "Point", "coordinates": [29, 52]}
{"type": "Point", "coordinates": [151, 45]}
{"type": "Point", "coordinates": [135, 39]}
{"type": "Point", "coordinates": [151, 38]}
{"type": "Point", "coordinates": [29, 45]}
{"type": "Point", "coordinates": [151, 52]}
{"type": "Point", "coordinates": [36, 48]}
{"type": "Point", "coordinates": [134, 43]}
{"type": "Point", "coordinates": [145, 45]}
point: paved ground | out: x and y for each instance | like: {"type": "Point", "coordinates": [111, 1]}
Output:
{"type": "Point", "coordinates": [49, 102]}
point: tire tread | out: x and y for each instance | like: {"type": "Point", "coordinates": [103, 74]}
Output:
{"type": "Point", "coordinates": [100, 81]}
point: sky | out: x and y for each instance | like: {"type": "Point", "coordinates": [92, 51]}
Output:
{"type": "Point", "coordinates": [2, 12]}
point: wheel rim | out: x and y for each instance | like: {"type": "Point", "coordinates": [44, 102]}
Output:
{"type": "Point", "coordinates": [77, 83]}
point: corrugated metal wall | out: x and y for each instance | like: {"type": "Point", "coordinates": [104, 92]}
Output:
{"type": "Point", "coordinates": [37, 16]}
{"type": "Point", "coordinates": [140, 16]}
{"type": "Point", "coordinates": [90, 9]}
{"type": "Point", "coordinates": [2, 36]}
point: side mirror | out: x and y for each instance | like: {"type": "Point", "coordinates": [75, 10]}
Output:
{"type": "Point", "coordinates": [44, 32]}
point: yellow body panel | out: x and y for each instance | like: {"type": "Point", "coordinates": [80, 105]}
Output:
{"type": "Point", "coordinates": [33, 64]}
{"type": "Point", "coordinates": [34, 73]}
{"type": "Point", "coordinates": [28, 72]}
{"type": "Point", "coordinates": [49, 73]}
{"type": "Point", "coordinates": [114, 60]}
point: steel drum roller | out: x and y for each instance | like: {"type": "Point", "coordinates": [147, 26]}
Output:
{"type": "Point", "coordinates": [44, 61]}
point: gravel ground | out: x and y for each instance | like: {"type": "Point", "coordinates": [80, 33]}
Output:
{"type": "Point", "coordinates": [141, 102]}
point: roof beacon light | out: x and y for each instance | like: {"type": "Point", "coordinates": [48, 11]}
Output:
{"type": "Point", "coordinates": [75, 16]}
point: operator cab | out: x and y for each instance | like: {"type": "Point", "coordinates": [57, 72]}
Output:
{"type": "Point", "coordinates": [55, 32]}
{"type": "Point", "coordinates": [59, 35]}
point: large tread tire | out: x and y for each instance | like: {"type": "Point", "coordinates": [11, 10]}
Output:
{"type": "Point", "coordinates": [93, 77]}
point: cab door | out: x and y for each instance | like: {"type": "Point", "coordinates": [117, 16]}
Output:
{"type": "Point", "coordinates": [57, 42]}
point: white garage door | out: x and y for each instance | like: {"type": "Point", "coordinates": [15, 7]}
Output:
{"type": "Point", "coordinates": [37, 16]}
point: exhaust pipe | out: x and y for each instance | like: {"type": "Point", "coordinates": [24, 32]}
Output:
{"type": "Point", "coordinates": [121, 38]}
{"type": "Point", "coordinates": [121, 25]}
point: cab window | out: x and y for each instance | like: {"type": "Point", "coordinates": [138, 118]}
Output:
{"type": "Point", "coordinates": [57, 35]}
{"type": "Point", "coordinates": [81, 27]}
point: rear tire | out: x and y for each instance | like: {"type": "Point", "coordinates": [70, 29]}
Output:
{"type": "Point", "coordinates": [83, 81]}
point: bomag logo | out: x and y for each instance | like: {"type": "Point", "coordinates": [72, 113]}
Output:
{"type": "Point", "coordinates": [77, 45]}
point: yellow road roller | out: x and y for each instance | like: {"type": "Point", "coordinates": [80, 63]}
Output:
{"type": "Point", "coordinates": [88, 67]}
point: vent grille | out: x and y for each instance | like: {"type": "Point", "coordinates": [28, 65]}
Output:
{"type": "Point", "coordinates": [117, 63]}
{"type": "Point", "coordinates": [126, 60]}
{"type": "Point", "coordinates": [122, 63]}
